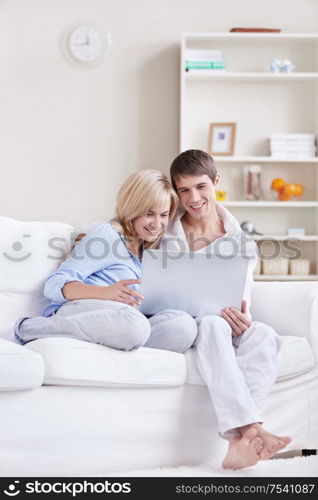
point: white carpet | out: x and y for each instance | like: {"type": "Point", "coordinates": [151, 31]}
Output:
{"type": "Point", "coordinates": [281, 467]}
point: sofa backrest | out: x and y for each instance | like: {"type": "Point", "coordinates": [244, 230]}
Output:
{"type": "Point", "coordinates": [290, 307]}
{"type": "Point", "coordinates": [29, 252]}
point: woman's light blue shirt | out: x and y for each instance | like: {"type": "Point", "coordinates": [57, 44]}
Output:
{"type": "Point", "coordinates": [100, 258]}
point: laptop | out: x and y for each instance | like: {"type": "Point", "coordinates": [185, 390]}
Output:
{"type": "Point", "coordinates": [197, 283]}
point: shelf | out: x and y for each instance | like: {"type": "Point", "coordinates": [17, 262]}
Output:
{"type": "Point", "coordinates": [285, 237]}
{"type": "Point", "coordinates": [272, 204]}
{"type": "Point", "coordinates": [197, 37]}
{"type": "Point", "coordinates": [285, 277]}
{"type": "Point", "coordinates": [260, 159]}
{"type": "Point", "coordinates": [260, 102]}
{"type": "Point", "coordinates": [203, 74]}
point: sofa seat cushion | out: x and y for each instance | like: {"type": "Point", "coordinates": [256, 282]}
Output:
{"type": "Point", "coordinates": [75, 362]}
{"type": "Point", "coordinates": [295, 358]}
{"type": "Point", "coordinates": [20, 368]}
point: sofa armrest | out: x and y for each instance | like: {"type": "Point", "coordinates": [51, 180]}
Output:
{"type": "Point", "coordinates": [291, 308]}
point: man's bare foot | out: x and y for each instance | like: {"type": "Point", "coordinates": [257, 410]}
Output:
{"type": "Point", "coordinates": [271, 444]}
{"type": "Point", "coordinates": [243, 451]}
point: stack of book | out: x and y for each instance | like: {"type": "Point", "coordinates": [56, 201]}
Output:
{"type": "Point", "coordinates": [202, 60]}
{"type": "Point", "coordinates": [292, 146]}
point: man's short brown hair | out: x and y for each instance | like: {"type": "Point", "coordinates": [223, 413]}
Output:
{"type": "Point", "coordinates": [193, 162]}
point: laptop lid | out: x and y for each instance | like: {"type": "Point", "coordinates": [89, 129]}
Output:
{"type": "Point", "coordinates": [197, 283]}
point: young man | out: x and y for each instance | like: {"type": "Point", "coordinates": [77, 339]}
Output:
{"type": "Point", "coordinates": [237, 358]}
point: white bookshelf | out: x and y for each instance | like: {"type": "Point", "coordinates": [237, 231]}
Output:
{"type": "Point", "coordinates": [272, 204]}
{"type": "Point", "coordinates": [286, 237]}
{"type": "Point", "coordinates": [195, 75]}
{"type": "Point", "coordinates": [263, 159]}
{"type": "Point", "coordinates": [260, 103]}
{"type": "Point", "coordinates": [246, 37]}
{"type": "Point", "coordinates": [285, 277]}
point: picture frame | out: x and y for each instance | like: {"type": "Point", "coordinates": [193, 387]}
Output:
{"type": "Point", "coordinates": [221, 140]}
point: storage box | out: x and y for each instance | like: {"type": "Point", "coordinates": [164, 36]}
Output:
{"type": "Point", "coordinates": [292, 146]}
{"type": "Point", "coordinates": [293, 155]}
{"type": "Point", "coordinates": [299, 266]}
{"type": "Point", "coordinates": [276, 266]}
{"type": "Point", "coordinates": [293, 137]}
{"type": "Point", "coordinates": [296, 231]}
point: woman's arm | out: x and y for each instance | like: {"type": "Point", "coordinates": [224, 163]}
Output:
{"type": "Point", "coordinates": [92, 253]}
{"type": "Point", "coordinates": [76, 290]}
{"type": "Point", "coordinates": [120, 292]}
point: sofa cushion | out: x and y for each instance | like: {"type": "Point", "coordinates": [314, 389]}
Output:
{"type": "Point", "coordinates": [295, 358]}
{"type": "Point", "coordinates": [20, 368]}
{"type": "Point", "coordinates": [29, 252]}
{"type": "Point", "coordinates": [75, 362]}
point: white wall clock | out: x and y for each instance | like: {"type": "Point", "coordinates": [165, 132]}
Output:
{"type": "Point", "coordinates": [89, 44]}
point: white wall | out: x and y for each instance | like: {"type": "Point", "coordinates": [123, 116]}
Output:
{"type": "Point", "coordinates": [69, 136]}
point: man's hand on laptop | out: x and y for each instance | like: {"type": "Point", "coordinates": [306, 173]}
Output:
{"type": "Point", "coordinates": [239, 320]}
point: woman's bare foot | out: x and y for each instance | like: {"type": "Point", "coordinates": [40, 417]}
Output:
{"type": "Point", "coordinates": [243, 451]}
{"type": "Point", "coordinates": [271, 444]}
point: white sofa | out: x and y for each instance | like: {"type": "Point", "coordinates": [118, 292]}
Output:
{"type": "Point", "coordinates": [69, 407]}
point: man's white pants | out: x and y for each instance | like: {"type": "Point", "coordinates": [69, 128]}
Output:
{"type": "Point", "coordinates": [238, 371]}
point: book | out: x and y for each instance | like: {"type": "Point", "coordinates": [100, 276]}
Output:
{"type": "Point", "coordinates": [204, 59]}
{"type": "Point", "coordinates": [204, 64]}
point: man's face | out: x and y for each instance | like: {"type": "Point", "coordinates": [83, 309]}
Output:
{"type": "Point", "coordinates": [196, 194]}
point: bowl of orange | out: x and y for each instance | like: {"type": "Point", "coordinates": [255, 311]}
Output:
{"type": "Point", "coordinates": [286, 190]}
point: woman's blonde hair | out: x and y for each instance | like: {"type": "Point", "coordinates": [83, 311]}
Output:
{"type": "Point", "coordinates": [142, 191]}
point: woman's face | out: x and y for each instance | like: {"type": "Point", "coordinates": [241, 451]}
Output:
{"type": "Point", "coordinates": [151, 225]}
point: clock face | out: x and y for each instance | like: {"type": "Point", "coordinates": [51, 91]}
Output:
{"type": "Point", "coordinates": [89, 43]}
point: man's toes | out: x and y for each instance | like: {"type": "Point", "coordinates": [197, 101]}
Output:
{"type": "Point", "coordinates": [258, 444]}
{"type": "Point", "coordinates": [286, 440]}
{"type": "Point", "coordinates": [274, 446]}
{"type": "Point", "coordinates": [265, 452]}
{"type": "Point", "coordinates": [280, 443]}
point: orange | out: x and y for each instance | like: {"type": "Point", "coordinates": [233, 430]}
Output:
{"type": "Point", "coordinates": [284, 194]}
{"type": "Point", "coordinates": [277, 184]}
{"type": "Point", "coordinates": [299, 189]}
{"type": "Point", "coordinates": [294, 189]}
{"type": "Point", "coordinates": [291, 189]}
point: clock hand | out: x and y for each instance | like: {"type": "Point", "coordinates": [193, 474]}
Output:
{"type": "Point", "coordinates": [82, 44]}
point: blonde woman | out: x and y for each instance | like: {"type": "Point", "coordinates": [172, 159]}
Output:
{"type": "Point", "coordinates": [94, 293]}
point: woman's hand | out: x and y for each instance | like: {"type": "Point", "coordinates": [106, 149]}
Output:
{"type": "Point", "coordinates": [239, 321]}
{"type": "Point", "coordinates": [121, 292]}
